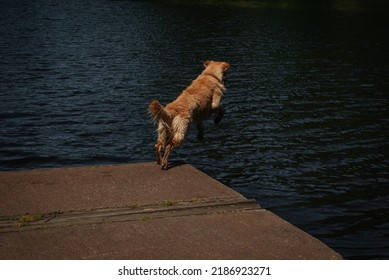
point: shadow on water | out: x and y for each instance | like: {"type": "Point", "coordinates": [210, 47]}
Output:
{"type": "Point", "coordinates": [305, 130]}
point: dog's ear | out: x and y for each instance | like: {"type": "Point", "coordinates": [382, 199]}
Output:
{"type": "Point", "coordinates": [206, 63]}
{"type": "Point", "coordinates": [226, 66]}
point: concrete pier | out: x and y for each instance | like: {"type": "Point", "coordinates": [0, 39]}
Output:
{"type": "Point", "coordinates": [137, 211]}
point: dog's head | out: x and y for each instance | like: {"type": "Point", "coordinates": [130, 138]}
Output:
{"type": "Point", "coordinates": [216, 68]}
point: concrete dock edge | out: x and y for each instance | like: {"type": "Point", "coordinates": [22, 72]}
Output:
{"type": "Point", "coordinates": [137, 211]}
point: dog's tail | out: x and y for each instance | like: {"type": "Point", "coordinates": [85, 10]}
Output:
{"type": "Point", "coordinates": [159, 113]}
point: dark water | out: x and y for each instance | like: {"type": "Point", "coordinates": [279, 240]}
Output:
{"type": "Point", "coordinates": [306, 124]}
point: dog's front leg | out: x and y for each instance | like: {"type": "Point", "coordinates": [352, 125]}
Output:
{"type": "Point", "coordinates": [217, 106]}
{"type": "Point", "coordinates": [219, 114]}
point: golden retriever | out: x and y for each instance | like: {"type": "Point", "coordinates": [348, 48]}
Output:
{"type": "Point", "coordinates": [196, 103]}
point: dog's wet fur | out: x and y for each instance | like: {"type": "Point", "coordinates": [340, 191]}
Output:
{"type": "Point", "coordinates": [197, 102]}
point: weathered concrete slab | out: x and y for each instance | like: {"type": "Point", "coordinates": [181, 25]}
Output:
{"type": "Point", "coordinates": [108, 186]}
{"type": "Point", "coordinates": [234, 235]}
{"type": "Point", "coordinates": [137, 211]}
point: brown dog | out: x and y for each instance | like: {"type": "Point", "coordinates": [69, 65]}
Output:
{"type": "Point", "coordinates": [196, 103]}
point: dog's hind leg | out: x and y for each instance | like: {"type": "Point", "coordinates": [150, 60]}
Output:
{"type": "Point", "coordinates": [158, 148]}
{"type": "Point", "coordinates": [168, 149]}
{"type": "Point", "coordinates": [180, 127]}
{"type": "Point", "coordinates": [161, 142]}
